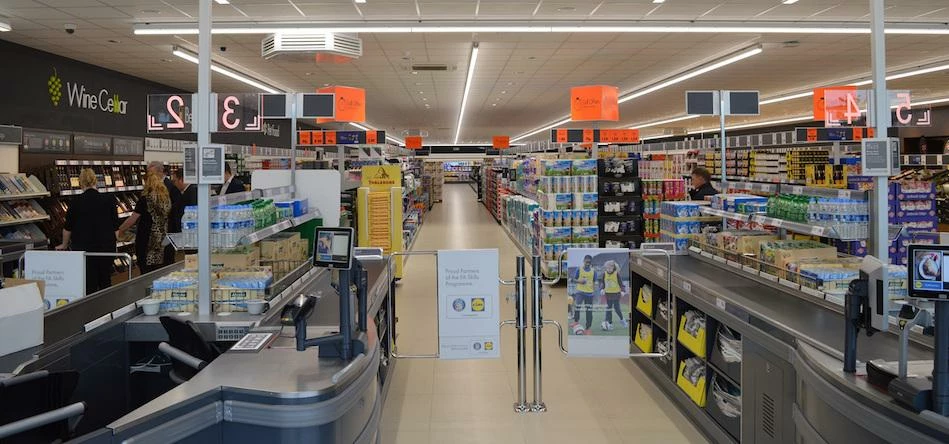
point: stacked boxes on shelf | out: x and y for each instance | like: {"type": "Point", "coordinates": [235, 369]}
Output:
{"type": "Point", "coordinates": [665, 166]}
{"type": "Point", "coordinates": [567, 190]}
{"type": "Point", "coordinates": [798, 160]}
{"type": "Point", "coordinates": [434, 172]}
{"type": "Point", "coordinates": [494, 189]}
{"type": "Point", "coordinates": [520, 217]}
{"type": "Point", "coordinates": [656, 191]}
{"type": "Point", "coordinates": [682, 221]}
{"type": "Point", "coordinates": [912, 204]}
{"type": "Point", "coordinates": [621, 204]}
{"type": "Point", "coordinates": [767, 167]}
{"type": "Point", "coordinates": [737, 162]}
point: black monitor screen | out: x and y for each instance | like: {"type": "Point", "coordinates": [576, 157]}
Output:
{"type": "Point", "coordinates": [334, 247]}
{"type": "Point", "coordinates": [929, 271]}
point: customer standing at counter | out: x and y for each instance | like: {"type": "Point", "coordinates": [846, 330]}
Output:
{"type": "Point", "coordinates": [151, 215]}
{"type": "Point", "coordinates": [90, 226]}
{"type": "Point", "coordinates": [231, 184]}
{"type": "Point", "coordinates": [701, 184]}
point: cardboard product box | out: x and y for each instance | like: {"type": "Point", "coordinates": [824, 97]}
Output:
{"type": "Point", "coordinates": [21, 318]}
{"type": "Point", "coordinates": [552, 167]}
{"type": "Point", "coordinates": [584, 167]}
{"type": "Point", "coordinates": [13, 282]}
{"type": "Point", "coordinates": [227, 261]}
{"type": "Point", "coordinates": [743, 242]}
{"type": "Point", "coordinates": [785, 255]}
{"type": "Point", "coordinates": [272, 249]}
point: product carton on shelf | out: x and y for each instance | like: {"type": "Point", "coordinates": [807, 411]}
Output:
{"type": "Point", "coordinates": [742, 242]}
{"type": "Point", "coordinates": [227, 261]}
{"type": "Point", "coordinates": [786, 255]}
{"type": "Point", "coordinates": [21, 318]}
{"type": "Point", "coordinates": [584, 167]}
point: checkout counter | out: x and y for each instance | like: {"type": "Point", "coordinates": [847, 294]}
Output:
{"type": "Point", "coordinates": [276, 393]}
{"type": "Point", "coordinates": [789, 377]}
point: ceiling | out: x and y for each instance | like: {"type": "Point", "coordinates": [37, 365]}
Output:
{"type": "Point", "coordinates": [522, 80]}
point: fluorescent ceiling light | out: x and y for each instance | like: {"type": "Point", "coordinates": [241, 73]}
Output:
{"type": "Point", "coordinates": [788, 2]}
{"type": "Point", "coordinates": [360, 1]}
{"type": "Point", "coordinates": [542, 129]}
{"type": "Point", "coordinates": [224, 71]}
{"type": "Point", "coordinates": [664, 122]}
{"type": "Point", "coordinates": [741, 55]}
{"type": "Point", "coordinates": [222, 2]}
{"type": "Point", "coordinates": [692, 74]}
{"type": "Point", "coordinates": [402, 27]}
{"type": "Point", "coordinates": [464, 98]}
{"type": "Point", "coordinates": [658, 1]}
{"type": "Point", "coordinates": [370, 128]}
{"type": "Point", "coordinates": [5, 27]}
{"type": "Point", "coordinates": [786, 98]}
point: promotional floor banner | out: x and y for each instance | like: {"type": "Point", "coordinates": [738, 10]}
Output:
{"type": "Point", "coordinates": [468, 304]}
{"type": "Point", "coordinates": [598, 302]}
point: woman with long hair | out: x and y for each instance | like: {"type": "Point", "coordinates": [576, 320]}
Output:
{"type": "Point", "coordinates": [151, 220]}
{"type": "Point", "coordinates": [90, 226]}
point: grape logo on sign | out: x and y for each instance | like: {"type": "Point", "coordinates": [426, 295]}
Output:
{"type": "Point", "coordinates": [79, 97]}
{"type": "Point", "coordinates": [55, 86]}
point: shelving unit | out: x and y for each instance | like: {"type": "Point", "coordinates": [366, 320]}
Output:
{"type": "Point", "coordinates": [459, 171]}
{"type": "Point", "coordinates": [494, 189]}
{"type": "Point", "coordinates": [618, 183]}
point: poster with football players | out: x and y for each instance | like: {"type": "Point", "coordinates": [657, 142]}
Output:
{"type": "Point", "coordinates": [598, 302]}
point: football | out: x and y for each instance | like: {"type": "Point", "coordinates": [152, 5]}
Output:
{"type": "Point", "coordinates": [578, 330]}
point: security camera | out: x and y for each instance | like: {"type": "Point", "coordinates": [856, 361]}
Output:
{"type": "Point", "coordinates": [223, 48]}
{"type": "Point", "coordinates": [70, 28]}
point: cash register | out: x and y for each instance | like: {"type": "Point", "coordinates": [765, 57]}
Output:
{"type": "Point", "coordinates": [333, 250]}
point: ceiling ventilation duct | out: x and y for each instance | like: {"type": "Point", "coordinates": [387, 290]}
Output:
{"type": "Point", "coordinates": [347, 45]}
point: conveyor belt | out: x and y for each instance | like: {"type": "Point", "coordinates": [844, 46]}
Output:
{"type": "Point", "coordinates": [775, 312]}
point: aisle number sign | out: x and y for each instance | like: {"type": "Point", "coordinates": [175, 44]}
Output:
{"type": "Point", "coordinates": [468, 304]}
{"type": "Point", "coordinates": [848, 106]}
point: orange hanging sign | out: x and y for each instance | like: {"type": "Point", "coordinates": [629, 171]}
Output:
{"type": "Point", "coordinates": [329, 137]}
{"type": "Point", "coordinates": [820, 102]}
{"type": "Point", "coordinates": [595, 102]}
{"type": "Point", "coordinates": [501, 142]}
{"type": "Point", "coordinates": [350, 104]}
{"type": "Point", "coordinates": [304, 137]}
{"type": "Point", "coordinates": [588, 136]}
{"type": "Point", "coordinates": [371, 138]}
{"type": "Point", "coordinates": [562, 136]}
{"type": "Point", "coordinates": [812, 134]}
{"type": "Point", "coordinates": [317, 138]}
{"type": "Point", "coordinates": [413, 142]}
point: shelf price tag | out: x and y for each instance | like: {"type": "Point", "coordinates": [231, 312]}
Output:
{"type": "Point", "coordinates": [687, 286]}
{"type": "Point", "coordinates": [817, 231]}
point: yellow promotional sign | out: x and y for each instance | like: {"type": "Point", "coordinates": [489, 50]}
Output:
{"type": "Point", "coordinates": [381, 177]}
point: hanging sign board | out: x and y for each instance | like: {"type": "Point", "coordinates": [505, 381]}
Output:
{"type": "Point", "coordinates": [313, 106]}
{"type": "Point", "coordinates": [468, 304]}
{"type": "Point", "coordinates": [702, 103]}
{"type": "Point", "coordinates": [190, 165]}
{"type": "Point", "coordinates": [211, 165]}
{"type": "Point", "coordinates": [170, 113]}
{"type": "Point", "coordinates": [598, 302]}
{"type": "Point", "coordinates": [623, 136]}
{"type": "Point", "coordinates": [833, 134]}
{"type": "Point", "coordinates": [64, 273]}
{"type": "Point", "coordinates": [594, 102]}
{"type": "Point", "coordinates": [239, 112]}
{"type": "Point", "coordinates": [381, 177]}
{"type": "Point", "coordinates": [275, 106]}
{"type": "Point", "coordinates": [501, 142]}
{"type": "Point", "coordinates": [413, 142]}
{"type": "Point", "coordinates": [350, 104]}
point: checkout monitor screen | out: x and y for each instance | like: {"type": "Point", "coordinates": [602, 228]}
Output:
{"type": "Point", "coordinates": [334, 248]}
{"type": "Point", "coordinates": [929, 271]}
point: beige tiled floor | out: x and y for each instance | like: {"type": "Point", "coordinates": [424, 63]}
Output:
{"type": "Point", "coordinates": [589, 401]}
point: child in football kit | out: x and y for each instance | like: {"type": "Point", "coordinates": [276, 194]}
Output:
{"type": "Point", "coordinates": [613, 290]}
{"type": "Point", "coordinates": [583, 296]}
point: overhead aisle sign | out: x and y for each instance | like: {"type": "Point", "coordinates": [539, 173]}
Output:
{"type": "Point", "coordinates": [592, 135]}
{"type": "Point", "coordinates": [468, 304]}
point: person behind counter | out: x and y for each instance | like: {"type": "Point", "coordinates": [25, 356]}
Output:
{"type": "Point", "coordinates": [151, 216]}
{"type": "Point", "coordinates": [231, 184]}
{"type": "Point", "coordinates": [187, 196]}
{"type": "Point", "coordinates": [90, 226]}
{"type": "Point", "coordinates": [701, 184]}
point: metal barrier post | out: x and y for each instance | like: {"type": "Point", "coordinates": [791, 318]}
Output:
{"type": "Point", "coordinates": [537, 289]}
{"type": "Point", "coordinates": [521, 325]}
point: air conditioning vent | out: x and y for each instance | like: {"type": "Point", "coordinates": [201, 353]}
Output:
{"type": "Point", "coordinates": [767, 415]}
{"type": "Point", "coordinates": [430, 67]}
{"type": "Point", "coordinates": [324, 42]}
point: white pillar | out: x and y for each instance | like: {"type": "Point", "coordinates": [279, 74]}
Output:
{"type": "Point", "coordinates": [202, 125]}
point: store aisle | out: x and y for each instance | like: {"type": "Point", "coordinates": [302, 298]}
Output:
{"type": "Point", "coordinates": [589, 401]}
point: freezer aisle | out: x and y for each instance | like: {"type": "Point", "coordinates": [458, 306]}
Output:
{"type": "Point", "coordinates": [589, 401]}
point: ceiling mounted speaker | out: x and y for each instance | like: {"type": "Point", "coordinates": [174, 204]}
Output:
{"type": "Point", "coordinates": [347, 45]}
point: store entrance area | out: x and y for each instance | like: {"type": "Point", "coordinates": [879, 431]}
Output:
{"type": "Point", "coordinates": [589, 401]}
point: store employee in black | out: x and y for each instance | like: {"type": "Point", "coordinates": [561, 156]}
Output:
{"type": "Point", "coordinates": [231, 184]}
{"type": "Point", "coordinates": [90, 226]}
{"type": "Point", "coordinates": [701, 184]}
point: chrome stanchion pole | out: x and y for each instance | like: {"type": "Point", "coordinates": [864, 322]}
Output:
{"type": "Point", "coordinates": [520, 284]}
{"type": "Point", "coordinates": [537, 288]}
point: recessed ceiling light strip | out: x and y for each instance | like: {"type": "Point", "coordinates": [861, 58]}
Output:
{"type": "Point", "coordinates": [678, 27]}
{"type": "Point", "coordinates": [178, 52]}
{"type": "Point", "coordinates": [468, 79]}
{"type": "Point", "coordinates": [733, 58]}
